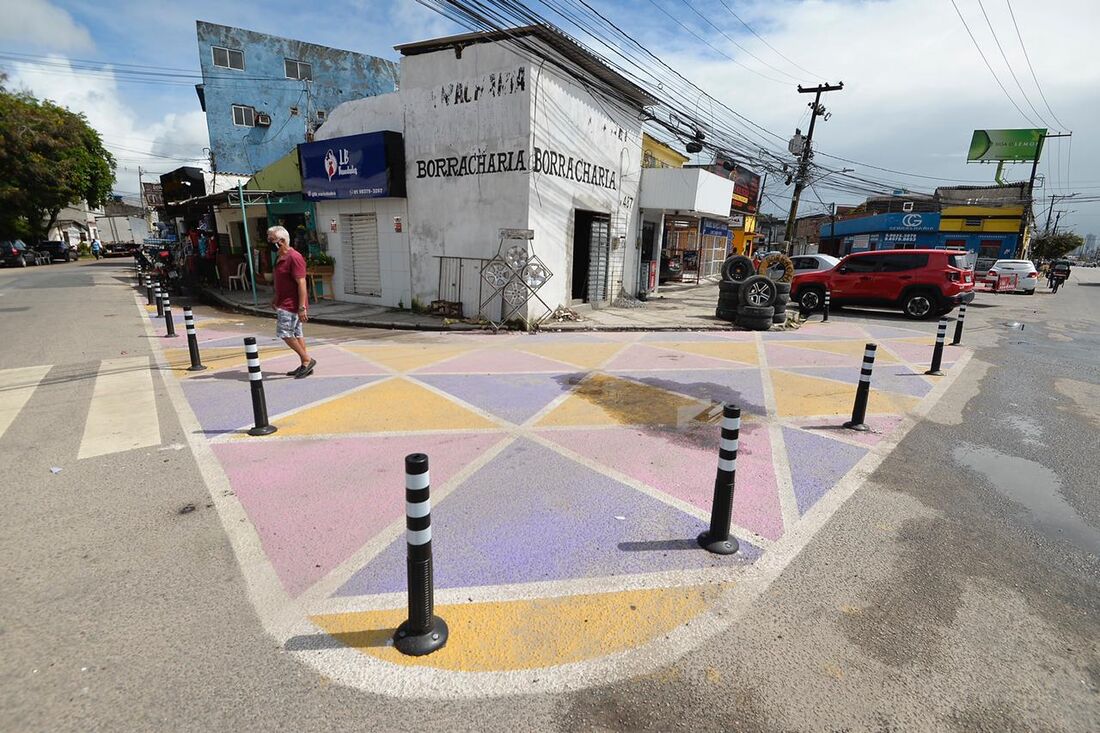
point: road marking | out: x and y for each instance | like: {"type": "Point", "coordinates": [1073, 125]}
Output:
{"type": "Point", "coordinates": [16, 387]}
{"type": "Point", "coordinates": [123, 413]}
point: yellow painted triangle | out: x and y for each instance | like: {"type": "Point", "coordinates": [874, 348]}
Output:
{"type": "Point", "coordinates": [214, 322]}
{"type": "Point", "coordinates": [853, 349]}
{"type": "Point", "coordinates": [218, 358]}
{"type": "Point", "coordinates": [605, 400]}
{"type": "Point", "coordinates": [587, 356]}
{"type": "Point", "coordinates": [407, 357]}
{"type": "Point", "coordinates": [396, 404]}
{"type": "Point", "coordinates": [797, 395]}
{"type": "Point", "coordinates": [150, 309]}
{"type": "Point", "coordinates": [744, 352]}
{"type": "Point", "coordinates": [502, 636]}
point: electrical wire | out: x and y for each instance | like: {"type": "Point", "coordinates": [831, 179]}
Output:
{"type": "Point", "coordinates": [762, 40]}
{"type": "Point", "coordinates": [1011, 71]}
{"type": "Point", "coordinates": [1032, 68]}
{"type": "Point", "coordinates": [735, 43]}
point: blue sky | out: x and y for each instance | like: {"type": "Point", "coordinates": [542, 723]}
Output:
{"type": "Point", "coordinates": [915, 85]}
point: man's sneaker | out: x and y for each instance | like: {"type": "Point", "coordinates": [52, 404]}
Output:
{"type": "Point", "coordinates": [294, 372]}
{"type": "Point", "coordinates": [306, 369]}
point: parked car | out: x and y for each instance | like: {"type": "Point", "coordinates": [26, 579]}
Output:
{"type": "Point", "coordinates": [921, 282]}
{"type": "Point", "coordinates": [56, 249]}
{"type": "Point", "coordinates": [813, 263]}
{"type": "Point", "coordinates": [113, 249]}
{"type": "Point", "coordinates": [1024, 270]}
{"type": "Point", "coordinates": [14, 253]}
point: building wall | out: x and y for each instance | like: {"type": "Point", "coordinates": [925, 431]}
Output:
{"type": "Point", "coordinates": [338, 76]}
{"type": "Point", "coordinates": [655, 154]}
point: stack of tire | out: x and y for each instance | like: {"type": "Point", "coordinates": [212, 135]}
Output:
{"type": "Point", "coordinates": [755, 301]}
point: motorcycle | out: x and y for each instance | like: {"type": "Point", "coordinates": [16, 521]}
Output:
{"type": "Point", "coordinates": [1056, 282]}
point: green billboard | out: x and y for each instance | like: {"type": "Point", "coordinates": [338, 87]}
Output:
{"type": "Point", "coordinates": [1009, 146]}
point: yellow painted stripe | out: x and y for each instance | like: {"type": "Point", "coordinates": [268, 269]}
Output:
{"type": "Point", "coordinates": [123, 413]}
{"type": "Point", "coordinates": [16, 387]}
{"type": "Point", "coordinates": [527, 634]}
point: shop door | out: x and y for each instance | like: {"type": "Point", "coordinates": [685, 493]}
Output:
{"type": "Point", "coordinates": [362, 264]}
{"type": "Point", "coordinates": [591, 255]}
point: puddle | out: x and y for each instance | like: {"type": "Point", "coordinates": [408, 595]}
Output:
{"type": "Point", "coordinates": [1034, 487]}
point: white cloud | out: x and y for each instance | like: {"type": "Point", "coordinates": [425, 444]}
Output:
{"type": "Point", "coordinates": [157, 146]}
{"type": "Point", "coordinates": [38, 22]}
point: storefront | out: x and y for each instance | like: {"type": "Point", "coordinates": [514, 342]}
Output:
{"type": "Point", "coordinates": [882, 231]}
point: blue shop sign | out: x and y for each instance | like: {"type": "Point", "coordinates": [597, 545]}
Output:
{"type": "Point", "coordinates": [367, 166]}
{"type": "Point", "coordinates": [712, 228]}
{"type": "Point", "coordinates": [911, 222]}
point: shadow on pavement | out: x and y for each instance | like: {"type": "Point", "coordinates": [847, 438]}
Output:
{"type": "Point", "coordinates": [658, 545]}
{"type": "Point", "coordinates": [317, 642]}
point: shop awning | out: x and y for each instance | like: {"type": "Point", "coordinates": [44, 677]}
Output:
{"type": "Point", "coordinates": [689, 191]}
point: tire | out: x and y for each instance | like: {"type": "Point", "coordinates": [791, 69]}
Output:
{"type": "Point", "coordinates": [737, 268]}
{"type": "Point", "coordinates": [782, 300]}
{"type": "Point", "coordinates": [728, 301]}
{"type": "Point", "coordinates": [755, 312]}
{"type": "Point", "coordinates": [725, 314]}
{"type": "Point", "coordinates": [759, 291]}
{"type": "Point", "coordinates": [23, 261]}
{"type": "Point", "coordinates": [783, 288]}
{"type": "Point", "coordinates": [812, 299]}
{"type": "Point", "coordinates": [772, 264]}
{"type": "Point", "coordinates": [728, 286]}
{"type": "Point", "coordinates": [755, 324]}
{"type": "Point", "coordinates": [920, 305]}
{"type": "Point", "coordinates": [780, 316]}
{"type": "Point", "coordinates": [1032, 291]}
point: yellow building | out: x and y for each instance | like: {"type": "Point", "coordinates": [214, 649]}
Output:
{"type": "Point", "coordinates": [990, 232]}
{"type": "Point", "coordinates": [655, 154]}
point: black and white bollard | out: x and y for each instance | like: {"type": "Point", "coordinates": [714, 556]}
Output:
{"type": "Point", "coordinates": [717, 539]}
{"type": "Point", "coordinates": [937, 353]}
{"type": "Point", "coordinates": [959, 326]}
{"type": "Point", "coordinates": [149, 293]}
{"type": "Point", "coordinates": [192, 340]}
{"type": "Point", "coordinates": [160, 301]}
{"type": "Point", "coordinates": [169, 322]}
{"type": "Point", "coordinates": [863, 391]}
{"type": "Point", "coordinates": [825, 317]}
{"type": "Point", "coordinates": [256, 381]}
{"type": "Point", "coordinates": [423, 632]}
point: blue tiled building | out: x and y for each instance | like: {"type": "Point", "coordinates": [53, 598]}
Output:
{"type": "Point", "coordinates": [263, 94]}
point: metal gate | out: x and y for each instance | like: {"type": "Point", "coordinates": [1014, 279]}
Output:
{"type": "Point", "coordinates": [362, 263]}
{"type": "Point", "coordinates": [599, 258]}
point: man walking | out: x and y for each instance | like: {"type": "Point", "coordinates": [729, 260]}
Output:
{"type": "Point", "coordinates": [290, 301]}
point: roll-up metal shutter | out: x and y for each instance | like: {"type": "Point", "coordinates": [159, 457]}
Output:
{"type": "Point", "coordinates": [362, 265]}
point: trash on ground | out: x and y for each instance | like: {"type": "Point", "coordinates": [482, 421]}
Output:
{"type": "Point", "coordinates": [55, 469]}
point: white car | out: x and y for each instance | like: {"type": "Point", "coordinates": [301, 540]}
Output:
{"type": "Point", "coordinates": [813, 263]}
{"type": "Point", "coordinates": [1027, 277]}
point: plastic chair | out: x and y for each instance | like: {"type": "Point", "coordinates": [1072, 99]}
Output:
{"type": "Point", "coordinates": [238, 278]}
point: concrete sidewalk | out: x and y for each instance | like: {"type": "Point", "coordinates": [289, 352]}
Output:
{"type": "Point", "coordinates": [679, 307]}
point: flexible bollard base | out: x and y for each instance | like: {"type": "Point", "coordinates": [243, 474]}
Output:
{"type": "Point", "coordinates": [724, 546]}
{"type": "Point", "coordinates": [261, 430]}
{"type": "Point", "coordinates": [196, 368]}
{"type": "Point", "coordinates": [936, 373]}
{"type": "Point", "coordinates": [861, 427]}
{"type": "Point", "coordinates": [417, 645]}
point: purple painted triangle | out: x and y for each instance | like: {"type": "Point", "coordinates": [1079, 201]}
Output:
{"type": "Point", "coordinates": [892, 332]}
{"type": "Point", "coordinates": [888, 377]}
{"type": "Point", "coordinates": [817, 464]}
{"type": "Point", "coordinates": [223, 402]}
{"type": "Point", "coordinates": [315, 502]}
{"type": "Point", "coordinates": [514, 397]}
{"type": "Point", "coordinates": [741, 387]}
{"type": "Point", "coordinates": [640, 356]}
{"type": "Point", "coordinates": [532, 515]}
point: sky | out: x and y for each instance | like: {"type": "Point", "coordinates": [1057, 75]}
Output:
{"type": "Point", "coordinates": [915, 83]}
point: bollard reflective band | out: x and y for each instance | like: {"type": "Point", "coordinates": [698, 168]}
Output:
{"type": "Point", "coordinates": [730, 445]}
{"type": "Point", "coordinates": [417, 509]}
{"type": "Point", "coordinates": [418, 537]}
{"type": "Point", "coordinates": [416, 481]}
{"type": "Point", "coordinates": [729, 465]}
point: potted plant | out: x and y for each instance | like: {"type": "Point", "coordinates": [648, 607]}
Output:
{"type": "Point", "coordinates": [321, 263]}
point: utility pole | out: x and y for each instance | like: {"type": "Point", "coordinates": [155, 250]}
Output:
{"type": "Point", "coordinates": [1050, 212]}
{"type": "Point", "coordinates": [804, 162]}
{"type": "Point", "coordinates": [1028, 213]}
{"type": "Point", "coordinates": [1056, 220]}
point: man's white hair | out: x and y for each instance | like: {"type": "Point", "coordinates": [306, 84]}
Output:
{"type": "Point", "coordinates": [280, 233]}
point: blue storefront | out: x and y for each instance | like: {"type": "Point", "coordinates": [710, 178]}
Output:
{"type": "Point", "coordinates": [883, 231]}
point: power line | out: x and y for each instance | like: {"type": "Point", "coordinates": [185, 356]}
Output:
{"type": "Point", "coordinates": [1032, 68]}
{"type": "Point", "coordinates": [989, 66]}
{"type": "Point", "coordinates": [735, 43]}
{"type": "Point", "coordinates": [1004, 56]}
{"type": "Point", "coordinates": [773, 48]}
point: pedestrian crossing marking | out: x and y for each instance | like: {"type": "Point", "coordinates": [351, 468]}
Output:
{"type": "Point", "coordinates": [16, 387]}
{"type": "Point", "coordinates": [123, 413]}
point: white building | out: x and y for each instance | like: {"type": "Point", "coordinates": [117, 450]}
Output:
{"type": "Point", "coordinates": [523, 130]}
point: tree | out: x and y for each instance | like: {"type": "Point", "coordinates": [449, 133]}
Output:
{"type": "Point", "coordinates": [1053, 246]}
{"type": "Point", "coordinates": [50, 158]}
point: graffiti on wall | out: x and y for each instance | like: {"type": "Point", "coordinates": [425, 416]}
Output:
{"type": "Point", "coordinates": [487, 86]}
{"type": "Point", "coordinates": [547, 162]}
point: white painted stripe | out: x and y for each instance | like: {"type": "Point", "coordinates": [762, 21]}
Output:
{"type": "Point", "coordinates": [418, 537]}
{"type": "Point", "coordinates": [255, 376]}
{"type": "Point", "coordinates": [415, 481]}
{"type": "Point", "coordinates": [252, 351]}
{"type": "Point", "coordinates": [729, 445]}
{"type": "Point", "coordinates": [191, 331]}
{"type": "Point", "coordinates": [724, 465]}
{"type": "Point", "coordinates": [418, 509]}
{"type": "Point", "coordinates": [16, 387]}
{"type": "Point", "coordinates": [731, 423]}
{"type": "Point", "coordinates": [123, 412]}
{"type": "Point", "coordinates": [253, 362]}
{"type": "Point", "coordinates": [865, 377]}
{"type": "Point", "coordinates": [869, 354]}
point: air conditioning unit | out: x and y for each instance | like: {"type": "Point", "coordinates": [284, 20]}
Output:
{"type": "Point", "coordinates": [263, 119]}
{"type": "Point", "coordinates": [907, 206]}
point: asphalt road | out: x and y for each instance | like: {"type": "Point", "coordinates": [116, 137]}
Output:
{"type": "Point", "coordinates": [956, 590]}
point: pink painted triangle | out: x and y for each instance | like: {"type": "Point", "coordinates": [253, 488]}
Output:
{"type": "Point", "coordinates": [641, 357]}
{"type": "Point", "coordinates": [791, 356]}
{"type": "Point", "coordinates": [496, 362]}
{"type": "Point", "coordinates": [315, 503]}
{"type": "Point", "coordinates": [683, 465]}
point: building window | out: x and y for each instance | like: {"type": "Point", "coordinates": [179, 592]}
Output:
{"type": "Point", "coordinates": [228, 58]}
{"type": "Point", "coordinates": [973, 222]}
{"type": "Point", "coordinates": [244, 116]}
{"type": "Point", "coordinates": [321, 114]}
{"type": "Point", "coordinates": [298, 70]}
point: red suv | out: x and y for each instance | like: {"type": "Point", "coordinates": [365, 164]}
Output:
{"type": "Point", "coordinates": [921, 282]}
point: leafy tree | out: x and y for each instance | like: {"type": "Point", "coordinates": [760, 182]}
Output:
{"type": "Point", "coordinates": [1053, 246]}
{"type": "Point", "coordinates": [49, 158]}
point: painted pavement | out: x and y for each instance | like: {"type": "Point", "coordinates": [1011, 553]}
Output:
{"type": "Point", "coordinates": [570, 476]}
